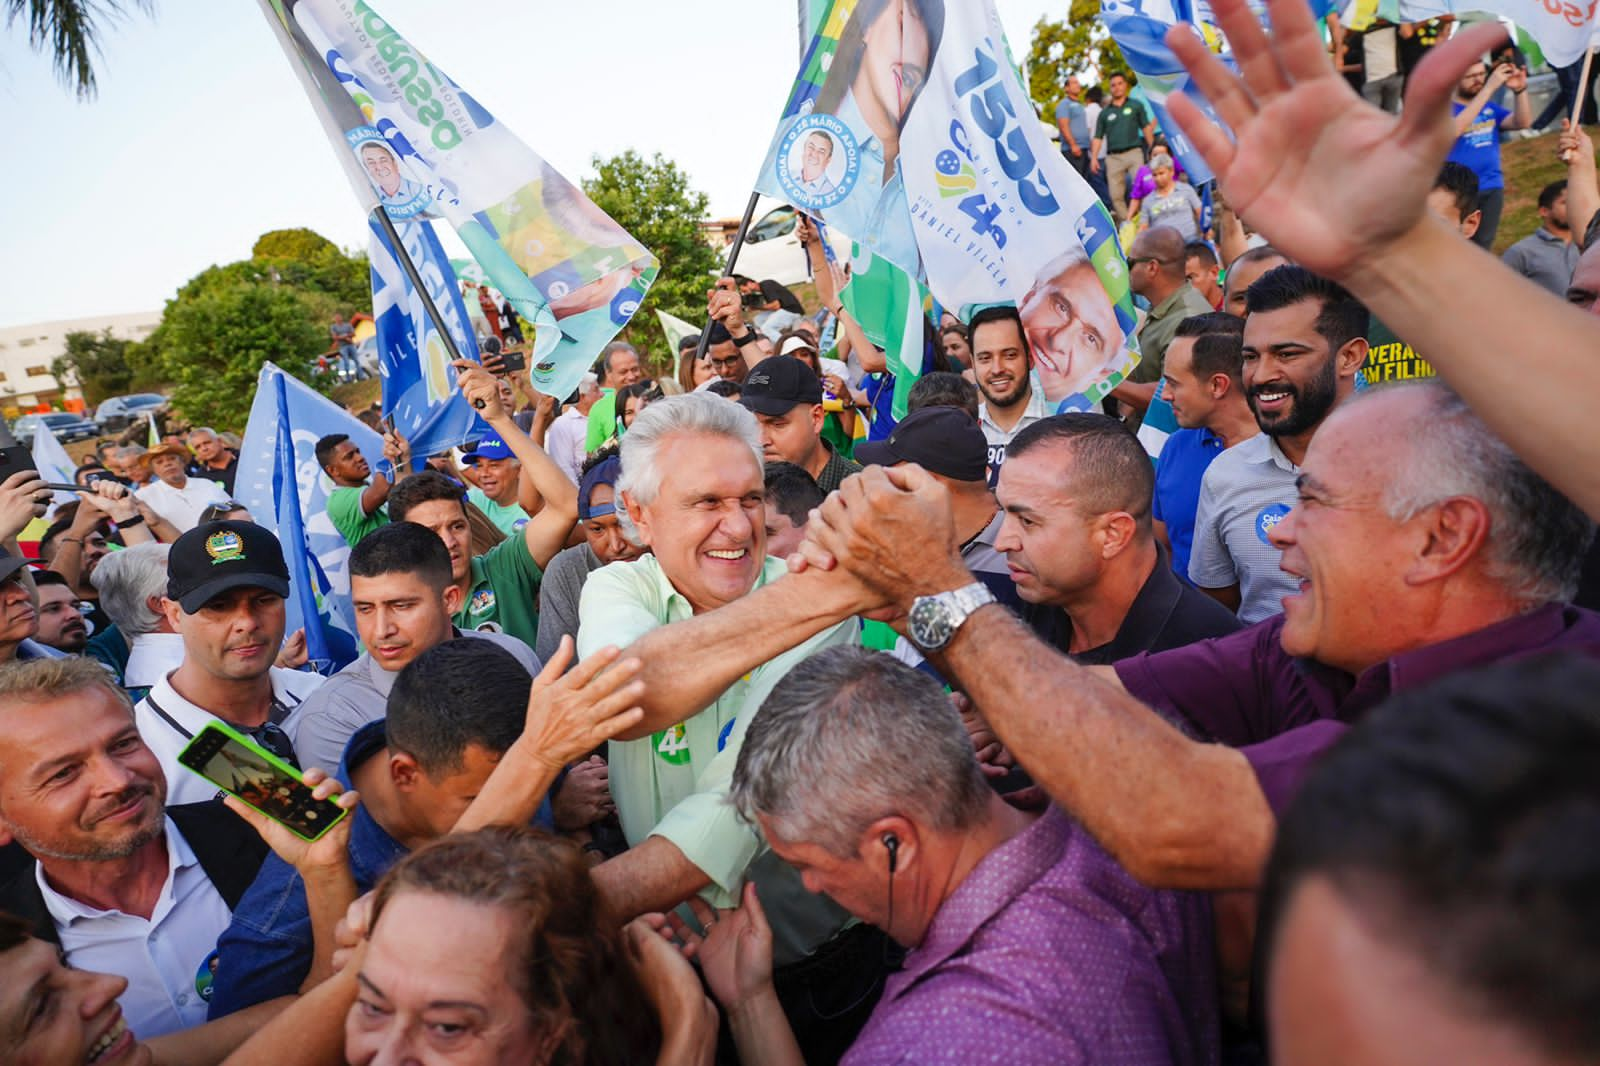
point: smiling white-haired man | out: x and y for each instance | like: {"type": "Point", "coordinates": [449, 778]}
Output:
{"type": "Point", "coordinates": [691, 485]}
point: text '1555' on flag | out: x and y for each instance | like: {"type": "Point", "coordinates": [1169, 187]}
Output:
{"type": "Point", "coordinates": [414, 142]}
{"type": "Point", "coordinates": [909, 130]}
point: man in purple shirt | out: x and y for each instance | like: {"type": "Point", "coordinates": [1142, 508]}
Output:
{"type": "Point", "coordinates": [1028, 943]}
{"type": "Point", "coordinates": [1423, 546]}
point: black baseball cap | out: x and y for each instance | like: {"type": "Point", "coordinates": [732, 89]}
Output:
{"type": "Point", "coordinates": [10, 564]}
{"type": "Point", "coordinates": [777, 384]}
{"type": "Point", "coordinates": [942, 440]}
{"type": "Point", "coordinates": [211, 559]}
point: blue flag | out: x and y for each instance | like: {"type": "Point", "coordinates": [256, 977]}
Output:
{"type": "Point", "coordinates": [281, 484]}
{"type": "Point", "coordinates": [419, 385]}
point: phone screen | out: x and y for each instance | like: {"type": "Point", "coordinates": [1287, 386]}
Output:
{"type": "Point", "coordinates": [241, 768]}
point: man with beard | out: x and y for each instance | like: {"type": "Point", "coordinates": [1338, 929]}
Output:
{"type": "Point", "coordinates": [1304, 342]}
{"type": "Point", "coordinates": [1002, 365]}
{"type": "Point", "coordinates": [61, 624]}
{"type": "Point", "coordinates": [120, 884]}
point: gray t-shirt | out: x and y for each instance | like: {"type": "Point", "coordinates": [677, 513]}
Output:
{"type": "Point", "coordinates": [1246, 491]}
{"type": "Point", "coordinates": [558, 597]}
{"type": "Point", "coordinates": [1176, 209]}
{"type": "Point", "coordinates": [359, 694]}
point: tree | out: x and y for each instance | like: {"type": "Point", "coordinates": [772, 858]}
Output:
{"type": "Point", "coordinates": [97, 362]}
{"type": "Point", "coordinates": [1078, 46]}
{"type": "Point", "coordinates": [70, 29]}
{"type": "Point", "coordinates": [213, 345]}
{"type": "Point", "coordinates": [652, 199]}
{"type": "Point", "coordinates": [227, 320]}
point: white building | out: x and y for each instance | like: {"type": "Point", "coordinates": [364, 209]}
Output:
{"type": "Point", "coordinates": [26, 353]}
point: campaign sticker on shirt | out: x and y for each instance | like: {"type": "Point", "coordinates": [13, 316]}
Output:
{"type": "Point", "coordinates": [672, 745]}
{"type": "Point", "coordinates": [817, 162]}
{"type": "Point", "coordinates": [482, 602]}
{"type": "Point", "coordinates": [722, 737]}
{"type": "Point", "coordinates": [1268, 519]}
{"type": "Point", "coordinates": [205, 976]}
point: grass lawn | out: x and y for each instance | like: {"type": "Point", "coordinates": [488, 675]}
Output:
{"type": "Point", "coordinates": [1529, 166]}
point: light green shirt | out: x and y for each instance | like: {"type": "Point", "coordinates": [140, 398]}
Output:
{"type": "Point", "coordinates": [675, 783]}
{"type": "Point", "coordinates": [344, 510]}
{"type": "Point", "coordinates": [602, 421]}
{"type": "Point", "coordinates": [508, 519]}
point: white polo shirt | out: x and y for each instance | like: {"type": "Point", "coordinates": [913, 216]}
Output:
{"type": "Point", "coordinates": [183, 507]}
{"type": "Point", "coordinates": [168, 738]}
{"type": "Point", "coordinates": [166, 958]}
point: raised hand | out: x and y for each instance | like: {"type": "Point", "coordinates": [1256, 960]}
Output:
{"type": "Point", "coordinates": [572, 713]}
{"type": "Point", "coordinates": [23, 498]}
{"type": "Point", "coordinates": [1304, 139]}
{"type": "Point", "coordinates": [481, 389]}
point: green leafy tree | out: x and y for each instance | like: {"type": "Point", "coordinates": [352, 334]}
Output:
{"type": "Point", "coordinates": [69, 29]}
{"type": "Point", "coordinates": [652, 199]}
{"type": "Point", "coordinates": [1078, 46]}
{"type": "Point", "coordinates": [311, 263]}
{"type": "Point", "coordinates": [214, 344]}
{"type": "Point", "coordinates": [97, 361]}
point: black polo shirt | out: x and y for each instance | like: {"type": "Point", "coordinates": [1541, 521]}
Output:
{"type": "Point", "coordinates": [1166, 614]}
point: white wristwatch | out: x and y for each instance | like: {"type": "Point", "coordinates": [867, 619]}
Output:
{"type": "Point", "coordinates": [933, 620]}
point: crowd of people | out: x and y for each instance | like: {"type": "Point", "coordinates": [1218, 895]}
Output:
{"type": "Point", "coordinates": [723, 717]}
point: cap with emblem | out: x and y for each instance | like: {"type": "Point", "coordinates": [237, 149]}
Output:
{"type": "Point", "coordinates": [777, 384]}
{"type": "Point", "coordinates": [10, 564]}
{"type": "Point", "coordinates": [942, 440]}
{"type": "Point", "coordinates": [213, 558]}
{"type": "Point", "coordinates": [488, 448]}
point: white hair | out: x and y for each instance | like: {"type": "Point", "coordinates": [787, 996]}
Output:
{"type": "Point", "coordinates": [126, 580]}
{"type": "Point", "coordinates": [700, 412]}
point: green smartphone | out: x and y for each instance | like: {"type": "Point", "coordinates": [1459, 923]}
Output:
{"type": "Point", "coordinates": [242, 768]}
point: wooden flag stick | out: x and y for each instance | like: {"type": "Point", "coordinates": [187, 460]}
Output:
{"type": "Point", "coordinates": [1583, 84]}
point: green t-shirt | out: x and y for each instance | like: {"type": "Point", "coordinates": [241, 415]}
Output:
{"type": "Point", "coordinates": [353, 524]}
{"type": "Point", "coordinates": [1391, 359]}
{"type": "Point", "coordinates": [508, 520]}
{"type": "Point", "coordinates": [504, 592]}
{"type": "Point", "coordinates": [602, 421]}
{"type": "Point", "coordinates": [1122, 127]}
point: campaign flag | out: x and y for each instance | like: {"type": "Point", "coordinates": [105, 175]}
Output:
{"type": "Point", "coordinates": [303, 595]}
{"type": "Point", "coordinates": [1564, 29]}
{"type": "Point", "coordinates": [155, 434]}
{"type": "Point", "coordinates": [676, 329]}
{"type": "Point", "coordinates": [419, 384]}
{"type": "Point", "coordinates": [412, 140]}
{"type": "Point", "coordinates": [53, 464]}
{"type": "Point", "coordinates": [289, 433]}
{"type": "Point", "coordinates": [888, 304]}
{"type": "Point", "coordinates": [929, 153]}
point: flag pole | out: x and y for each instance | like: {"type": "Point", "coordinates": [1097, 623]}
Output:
{"type": "Point", "coordinates": [727, 270]}
{"type": "Point", "coordinates": [1583, 83]}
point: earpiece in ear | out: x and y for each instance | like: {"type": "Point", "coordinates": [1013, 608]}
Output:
{"type": "Point", "coordinates": [892, 844]}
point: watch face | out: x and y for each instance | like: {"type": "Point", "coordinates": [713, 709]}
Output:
{"type": "Point", "coordinates": [929, 623]}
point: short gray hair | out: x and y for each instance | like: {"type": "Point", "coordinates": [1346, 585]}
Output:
{"type": "Point", "coordinates": [850, 736]}
{"type": "Point", "coordinates": [126, 580]}
{"type": "Point", "coordinates": [207, 430]}
{"type": "Point", "coordinates": [41, 680]}
{"type": "Point", "coordinates": [697, 412]}
{"type": "Point", "coordinates": [1537, 537]}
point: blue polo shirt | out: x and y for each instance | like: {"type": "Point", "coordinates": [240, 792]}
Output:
{"type": "Point", "coordinates": [1182, 465]}
{"type": "Point", "coordinates": [266, 951]}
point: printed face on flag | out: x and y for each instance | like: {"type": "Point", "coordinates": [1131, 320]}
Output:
{"type": "Point", "coordinates": [428, 149]}
{"type": "Point", "coordinates": [910, 130]}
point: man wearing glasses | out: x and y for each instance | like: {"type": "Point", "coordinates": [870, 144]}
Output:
{"type": "Point", "coordinates": [1156, 260]}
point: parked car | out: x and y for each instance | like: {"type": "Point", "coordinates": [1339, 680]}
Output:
{"type": "Point", "coordinates": [772, 250]}
{"type": "Point", "coordinates": [65, 425]}
{"type": "Point", "coordinates": [120, 412]}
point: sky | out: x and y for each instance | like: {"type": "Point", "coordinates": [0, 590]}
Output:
{"type": "Point", "coordinates": [201, 138]}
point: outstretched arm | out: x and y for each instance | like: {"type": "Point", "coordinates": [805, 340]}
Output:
{"type": "Point", "coordinates": [1304, 139]}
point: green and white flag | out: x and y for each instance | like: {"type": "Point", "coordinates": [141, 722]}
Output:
{"type": "Point", "coordinates": [888, 304]}
{"type": "Point", "coordinates": [676, 329]}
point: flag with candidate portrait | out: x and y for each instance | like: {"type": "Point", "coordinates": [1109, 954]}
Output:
{"type": "Point", "coordinates": [413, 141]}
{"type": "Point", "coordinates": [909, 130]}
